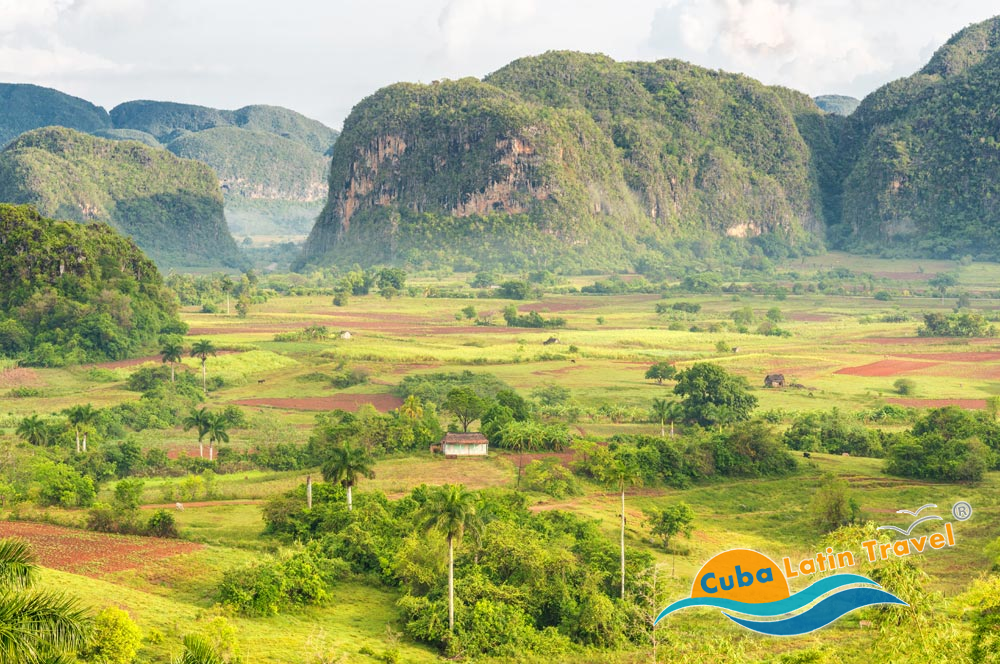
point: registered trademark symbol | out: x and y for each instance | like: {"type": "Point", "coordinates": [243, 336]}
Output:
{"type": "Point", "coordinates": [961, 510]}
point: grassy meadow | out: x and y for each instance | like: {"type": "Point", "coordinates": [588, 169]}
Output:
{"type": "Point", "coordinates": [839, 354]}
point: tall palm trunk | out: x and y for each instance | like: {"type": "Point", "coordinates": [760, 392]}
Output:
{"type": "Point", "coordinates": [350, 503]}
{"type": "Point", "coordinates": [451, 584]}
{"type": "Point", "coordinates": [204, 379]}
{"type": "Point", "coordinates": [623, 539]}
{"type": "Point", "coordinates": [84, 442]}
{"type": "Point", "coordinates": [171, 372]}
{"type": "Point", "coordinates": [211, 447]}
{"type": "Point", "coordinates": [78, 440]}
{"type": "Point", "coordinates": [662, 432]}
{"type": "Point", "coordinates": [201, 449]}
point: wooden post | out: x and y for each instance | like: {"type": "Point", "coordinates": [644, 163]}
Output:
{"type": "Point", "coordinates": [309, 491]}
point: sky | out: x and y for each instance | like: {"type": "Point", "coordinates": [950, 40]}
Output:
{"type": "Point", "coordinates": [320, 57]}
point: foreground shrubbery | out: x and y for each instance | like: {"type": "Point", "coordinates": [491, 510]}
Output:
{"type": "Point", "coordinates": [542, 583]}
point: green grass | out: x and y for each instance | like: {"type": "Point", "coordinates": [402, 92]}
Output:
{"type": "Point", "coordinates": [406, 336]}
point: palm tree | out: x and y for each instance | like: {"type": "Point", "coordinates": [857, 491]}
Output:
{"type": "Point", "coordinates": [35, 625]}
{"type": "Point", "coordinates": [34, 430]}
{"type": "Point", "coordinates": [226, 284]}
{"type": "Point", "coordinates": [666, 411]}
{"type": "Point", "coordinates": [198, 650]}
{"type": "Point", "coordinates": [346, 464]}
{"type": "Point", "coordinates": [202, 349]}
{"type": "Point", "coordinates": [521, 437]}
{"type": "Point", "coordinates": [201, 420]}
{"type": "Point", "coordinates": [623, 473]}
{"type": "Point", "coordinates": [217, 432]}
{"type": "Point", "coordinates": [80, 417]}
{"type": "Point", "coordinates": [412, 408]}
{"type": "Point", "coordinates": [449, 509]}
{"type": "Point", "coordinates": [171, 352]}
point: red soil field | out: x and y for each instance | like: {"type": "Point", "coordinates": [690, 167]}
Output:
{"type": "Point", "coordinates": [382, 402]}
{"type": "Point", "coordinates": [885, 368]}
{"type": "Point", "coordinates": [558, 304]}
{"type": "Point", "coordinates": [916, 341]}
{"type": "Point", "coordinates": [92, 554]}
{"type": "Point", "coordinates": [969, 356]}
{"type": "Point", "coordinates": [969, 404]}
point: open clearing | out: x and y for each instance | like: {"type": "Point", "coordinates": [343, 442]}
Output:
{"type": "Point", "coordinates": [351, 402]}
{"type": "Point", "coordinates": [92, 554]}
{"type": "Point", "coordinates": [885, 368]}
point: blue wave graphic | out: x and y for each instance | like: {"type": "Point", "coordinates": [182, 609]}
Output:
{"type": "Point", "coordinates": [772, 609]}
{"type": "Point", "coordinates": [822, 614]}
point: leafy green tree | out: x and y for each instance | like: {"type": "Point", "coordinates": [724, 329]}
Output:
{"type": "Point", "coordinates": [672, 520]}
{"type": "Point", "coordinates": [81, 417]}
{"type": "Point", "coordinates": [774, 315]}
{"type": "Point", "coordinates": [412, 408]}
{"type": "Point", "coordinates": [449, 509]}
{"type": "Point", "coordinates": [833, 506]}
{"type": "Point", "coordinates": [171, 353]}
{"type": "Point", "coordinates": [35, 626]}
{"type": "Point", "coordinates": [711, 395]}
{"type": "Point", "coordinates": [202, 349]}
{"type": "Point", "coordinates": [905, 386]}
{"type": "Point", "coordinates": [465, 405]}
{"type": "Point", "coordinates": [660, 372]}
{"type": "Point", "coordinates": [514, 289]}
{"type": "Point", "coordinates": [346, 464]}
{"type": "Point", "coordinates": [34, 430]}
{"type": "Point", "coordinates": [200, 419]}
{"type": "Point", "coordinates": [115, 638]}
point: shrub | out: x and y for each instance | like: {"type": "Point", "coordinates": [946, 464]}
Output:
{"type": "Point", "coordinates": [162, 524]}
{"type": "Point", "coordinates": [550, 477]}
{"type": "Point", "coordinates": [114, 639]}
{"type": "Point", "coordinates": [905, 386]}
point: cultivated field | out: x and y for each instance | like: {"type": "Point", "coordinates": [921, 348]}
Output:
{"type": "Point", "coordinates": [840, 354]}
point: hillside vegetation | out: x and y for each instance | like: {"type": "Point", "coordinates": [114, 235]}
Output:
{"type": "Point", "coordinates": [167, 121]}
{"type": "Point", "coordinates": [837, 104]}
{"type": "Point", "coordinates": [25, 107]}
{"type": "Point", "coordinates": [76, 292]}
{"type": "Point", "coordinates": [172, 207]}
{"type": "Point", "coordinates": [256, 165]}
{"type": "Point", "coordinates": [571, 160]}
{"type": "Point", "coordinates": [921, 155]}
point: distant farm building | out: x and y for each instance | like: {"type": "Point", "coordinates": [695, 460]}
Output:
{"type": "Point", "coordinates": [463, 445]}
{"type": "Point", "coordinates": [774, 380]}
{"type": "Point", "coordinates": [345, 335]}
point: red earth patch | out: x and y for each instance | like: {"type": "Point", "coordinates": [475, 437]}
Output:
{"type": "Point", "coordinates": [885, 368]}
{"type": "Point", "coordinates": [969, 356]}
{"type": "Point", "coordinates": [382, 402]}
{"type": "Point", "coordinates": [92, 554]}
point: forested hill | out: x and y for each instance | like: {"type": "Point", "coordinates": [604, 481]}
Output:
{"type": "Point", "coordinates": [922, 156]}
{"type": "Point", "coordinates": [171, 207]}
{"type": "Point", "coordinates": [271, 161]}
{"type": "Point", "coordinates": [74, 293]}
{"type": "Point", "coordinates": [26, 107]}
{"type": "Point", "coordinates": [575, 161]}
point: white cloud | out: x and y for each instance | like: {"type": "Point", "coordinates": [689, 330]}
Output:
{"type": "Point", "coordinates": [814, 45]}
{"type": "Point", "coordinates": [463, 22]}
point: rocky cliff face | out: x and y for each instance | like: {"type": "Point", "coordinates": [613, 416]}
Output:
{"type": "Point", "coordinates": [573, 153]}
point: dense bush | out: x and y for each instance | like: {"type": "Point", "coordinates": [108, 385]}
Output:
{"type": "Point", "coordinates": [947, 444]}
{"type": "Point", "coordinates": [834, 433]}
{"type": "Point", "coordinates": [267, 587]}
